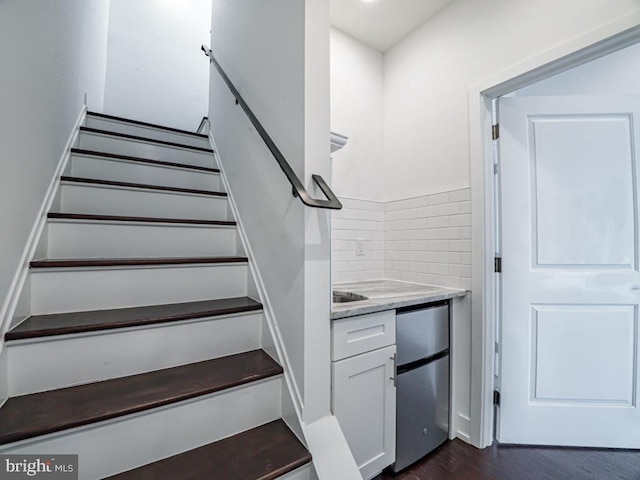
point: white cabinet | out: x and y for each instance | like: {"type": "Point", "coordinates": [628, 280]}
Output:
{"type": "Point", "coordinates": [364, 393]}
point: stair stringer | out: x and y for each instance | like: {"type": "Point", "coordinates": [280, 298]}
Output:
{"type": "Point", "coordinates": [324, 438]}
{"type": "Point", "coordinates": [291, 395]}
{"type": "Point", "coordinates": [17, 303]}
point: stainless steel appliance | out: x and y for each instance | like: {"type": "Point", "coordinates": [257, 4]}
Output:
{"type": "Point", "coordinates": [422, 418]}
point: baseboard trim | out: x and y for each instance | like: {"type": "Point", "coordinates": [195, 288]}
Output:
{"type": "Point", "coordinates": [463, 427]}
{"type": "Point", "coordinates": [296, 397]}
{"type": "Point", "coordinates": [17, 285]}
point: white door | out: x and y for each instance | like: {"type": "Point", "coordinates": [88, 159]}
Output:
{"type": "Point", "coordinates": [570, 281]}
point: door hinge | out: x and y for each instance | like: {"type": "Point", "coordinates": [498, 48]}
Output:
{"type": "Point", "coordinates": [495, 131]}
{"type": "Point", "coordinates": [496, 398]}
{"type": "Point", "coordinates": [496, 169]}
{"type": "Point", "coordinates": [497, 264]}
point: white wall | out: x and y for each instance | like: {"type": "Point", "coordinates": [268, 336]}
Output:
{"type": "Point", "coordinates": [428, 76]}
{"type": "Point", "coordinates": [614, 74]}
{"type": "Point", "coordinates": [52, 53]}
{"type": "Point", "coordinates": [156, 71]}
{"type": "Point", "coordinates": [356, 111]}
{"type": "Point", "coordinates": [277, 55]}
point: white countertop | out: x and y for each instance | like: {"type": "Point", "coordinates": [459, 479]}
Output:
{"type": "Point", "coordinates": [387, 295]}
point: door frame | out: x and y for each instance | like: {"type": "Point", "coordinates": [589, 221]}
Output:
{"type": "Point", "coordinates": [614, 36]}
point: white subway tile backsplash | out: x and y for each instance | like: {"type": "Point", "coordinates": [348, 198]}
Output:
{"type": "Point", "coordinates": [461, 270]}
{"type": "Point", "coordinates": [428, 278]}
{"type": "Point", "coordinates": [438, 268]}
{"type": "Point", "coordinates": [464, 207]}
{"type": "Point", "coordinates": [343, 234]}
{"type": "Point", "coordinates": [401, 265]}
{"type": "Point", "coordinates": [410, 277]}
{"type": "Point", "coordinates": [437, 245]}
{"type": "Point", "coordinates": [432, 257]}
{"type": "Point", "coordinates": [460, 195]}
{"type": "Point", "coordinates": [340, 266]}
{"type": "Point", "coordinates": [438, 222]}
{"type": "Point", "coordinates": [358, 220]}
{"type": "Point", "coordinates": [428, 211]}
{"type": "Point", "coordinates": [423, 239]}
{"type": "Point", "coordinates": [418, 202]}
{"type": "Point", "coordinates": [415, 223]}
{"type": "Point", "coordinates": [460, 245]}
{"type": "Point", "coordinates": [449, 257]}
{"type": "Point", "coordinates": [438, 198]}
{"type": "Point", "coordinates": [460, 220]}
{"type": "Point", "coordinates": [451, 233]}
{"type": "Point", "coordinates": [448, 209]}
{"type": "Point", "coordinates": [407, 255]}
{"type": "Point", "coordinates": [415, 245]}
{"type": "Point", "coordinates": [342, 224]}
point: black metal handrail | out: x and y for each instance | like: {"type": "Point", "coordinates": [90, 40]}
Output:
{"type": "Point", "coordinates": [203, 123]}
{"type": "Point", "coordinates": [332, 201]}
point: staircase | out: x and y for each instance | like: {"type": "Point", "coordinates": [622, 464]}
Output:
{"type": "Point", "coordinates": [143, 353]}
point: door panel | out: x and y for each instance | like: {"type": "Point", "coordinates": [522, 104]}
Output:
{"type": "Point", "coordinates": [565, 367]}
{"type": "Point", "coordinates": [583, 193]}
{"type": "Point", "coordinates": [570, 281]}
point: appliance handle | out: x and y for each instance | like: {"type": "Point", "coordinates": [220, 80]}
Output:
{"type": "Point", "coordinates": [422, 362]}
{"type": "Point", "coordinates": [395, 369]}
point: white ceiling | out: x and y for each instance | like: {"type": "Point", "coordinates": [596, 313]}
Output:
{"type": "Point", "coordinates": [382, 23]}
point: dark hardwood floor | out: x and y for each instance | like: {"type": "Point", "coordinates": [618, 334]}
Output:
{"type": "Point", "coordinates": [456, 460]}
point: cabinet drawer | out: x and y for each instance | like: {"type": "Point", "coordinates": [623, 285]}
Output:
{"type": "Point", "coordinates": [355, 335]}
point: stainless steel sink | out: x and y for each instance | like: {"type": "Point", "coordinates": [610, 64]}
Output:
{"type": "Point", "coordinates": [344, 297]}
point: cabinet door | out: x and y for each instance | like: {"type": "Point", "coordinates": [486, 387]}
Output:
{"type": "Point", "coordinates": [364, 402]}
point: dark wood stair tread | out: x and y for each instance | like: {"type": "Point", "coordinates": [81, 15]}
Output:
{"type": "Point", "coordinates": [38, 414]}
{"type": "Point", "coordinates": [146, 124]}
{"type": "Point", "coordinates": [93, 153]}
{"type": "Point", "coordinates": [37, 326]}
{"type": "Point", "coordinates": [143, 139]}
{"type": "Point", "coordinates": [121, 262]}
{"type": "Point", "coordinates": [262, 453]}
{"type": "Point", "coordinates": [125, 218]}
{"type": "Point", "coordinates": [114, 183]}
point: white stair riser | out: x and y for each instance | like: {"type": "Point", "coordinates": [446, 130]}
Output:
{"type": "Point", "coordinates": [121, 352]}
{"type": "Point", "coordinates": [147, 132]}
{"type": "Point", "coordinates": [123, 171]}
{"type": "Point", "coordinates": [113, 446]}
{"type": "Point", "coordinates": [92, 199]}
{"type": "Point", "coordinates": [71, 290]}
{"type": "Point", "coordinates": [72, 239]}
{"type": "Point", "coordinates": [153, 151]}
